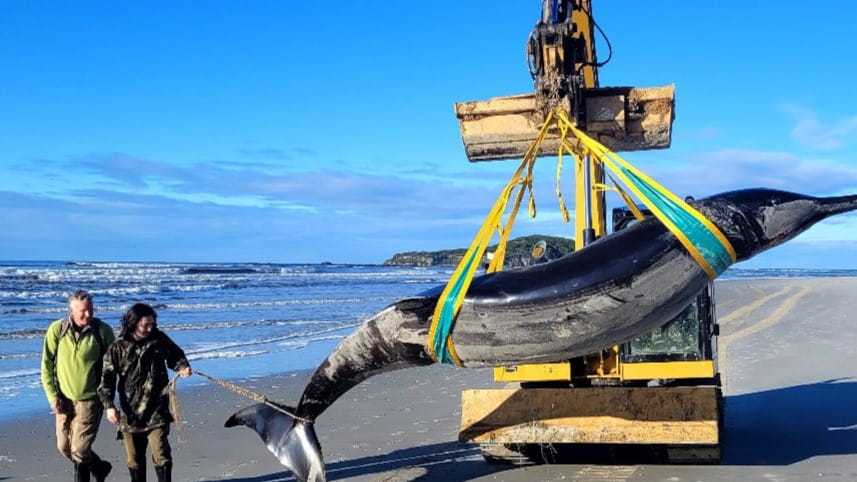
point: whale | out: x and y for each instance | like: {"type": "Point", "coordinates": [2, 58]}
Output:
{"type": "Point", "coordinates": [618, 287]}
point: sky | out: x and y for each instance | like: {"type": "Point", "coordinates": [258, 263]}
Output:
{"type": "Point", "coordinates": [304, 132]}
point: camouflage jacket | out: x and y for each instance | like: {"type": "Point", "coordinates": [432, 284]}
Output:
{"type": "Point", "coordinates": [140, 368]}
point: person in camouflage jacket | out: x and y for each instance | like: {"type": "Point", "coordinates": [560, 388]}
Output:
{"type": "Point", "coordinates": [138, 361]}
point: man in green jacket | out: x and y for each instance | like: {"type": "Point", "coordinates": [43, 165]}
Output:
{"type": "Point", "coordinates": [71, 371]}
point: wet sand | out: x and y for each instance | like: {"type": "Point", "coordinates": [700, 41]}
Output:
{"type": "Point", "coordinates": [787, 354]}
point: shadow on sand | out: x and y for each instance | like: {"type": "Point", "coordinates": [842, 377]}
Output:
{"type": "Point", "coordinates": [449, 461]}
{"type": "Point", "coordinates": [774, 427]}
{"type": "Point", "coordinates": [786, 425]}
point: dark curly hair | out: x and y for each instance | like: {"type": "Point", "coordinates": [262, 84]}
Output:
{"type": "Point", "coordinates": [133, 316]}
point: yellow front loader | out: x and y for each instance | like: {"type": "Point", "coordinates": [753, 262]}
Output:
{"type": "Point", "coordinates": [660, 391]}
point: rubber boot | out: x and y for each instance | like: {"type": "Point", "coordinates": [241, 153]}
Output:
{"type": "Point", "coordinates": [165, 472]}
{"type": "Point", "coordinates": [138, 474]}
{"type": "Point", "coordinates": [81, 472]}
{"type": "Point", "coordinates": [100, 469]}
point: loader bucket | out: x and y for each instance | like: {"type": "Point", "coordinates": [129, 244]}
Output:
{"type": "Point", "coordinates": [621, 118]}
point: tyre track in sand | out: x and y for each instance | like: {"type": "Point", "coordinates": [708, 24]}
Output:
{"type": "Point", "coordinates": [792, 297]}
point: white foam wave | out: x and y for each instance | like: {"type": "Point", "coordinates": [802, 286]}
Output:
{"type": "Point", "coordinates": [24, 372]}
{"type": "Point", "coordinates": [123, 291]}
{"type": "Point", "coordinates": [101, 308]}
{"type": "Point", "coordinates": [250, 304]}
{"type": "Point", "coordinates": [135, 273]}
{"type": "Point", "coordinates": [226, 354]}
{"type": "Point", "coordinates": [294, 345]}
{"type": "Point", "coordinates": [295, 338]}
{"type": "Point", "coordinates": [216, 325]}
{"type": "Point", "coordinates": [19, 356]}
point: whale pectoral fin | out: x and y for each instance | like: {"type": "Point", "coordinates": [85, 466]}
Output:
{"type": "Point", "coordinates": [293, 443]}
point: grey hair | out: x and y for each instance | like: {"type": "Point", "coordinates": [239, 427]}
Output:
{"type": "Point", "coordinates": [79, 295]}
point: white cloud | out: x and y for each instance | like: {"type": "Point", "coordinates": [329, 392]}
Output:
{"type": "Point", "coordinates": [706, 133]}
{"type": "Point", "coordinates": [218, 210]}
{"type": "Point", "coordinates": [811, 132]}
{"type": "Point", "coordinates": [707, 173]}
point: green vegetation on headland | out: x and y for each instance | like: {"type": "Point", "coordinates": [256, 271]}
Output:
{"type": "Point", "coordinates": [519, 252]}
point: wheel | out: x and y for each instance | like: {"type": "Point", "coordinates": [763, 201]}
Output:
{"type": "Point", "coordinates": [511, 454]}
{"type": "Point", "coordinates": [693, 454]}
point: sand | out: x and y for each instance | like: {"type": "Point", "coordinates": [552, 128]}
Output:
{"type": "Point", "coordinates": [786, 352]}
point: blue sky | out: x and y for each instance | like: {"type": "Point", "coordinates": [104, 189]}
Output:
{"type": "Point", "coordinates": [324, 131]}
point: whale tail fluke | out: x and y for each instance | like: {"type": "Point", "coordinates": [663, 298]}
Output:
{"type": "Point", "coordinates": [294, 443]}
{"type": "Point", "coordinates": [304, 453]}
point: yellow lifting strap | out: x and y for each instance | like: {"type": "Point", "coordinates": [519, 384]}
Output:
{"type": "Point", "coordinates": [638, 215]}
{"type": "Point", "coordinates": [703, 240]}
{"type": "Point", "coordinates": [439, 341]}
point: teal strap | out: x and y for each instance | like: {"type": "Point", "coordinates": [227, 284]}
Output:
{"type": "Point", "coordinates": [708, 245]}
{"type": "Point", "coordinates": [447, 315]}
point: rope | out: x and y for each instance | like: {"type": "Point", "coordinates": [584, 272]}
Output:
{"type": "Point", "coordinates": [252, 396]}
{"type": "Point", "coordinates": [170, 390]}
{"type": "Point", "coordinates": [175, 407]}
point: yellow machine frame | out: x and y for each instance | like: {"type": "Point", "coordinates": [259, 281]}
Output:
{"type": "Point", "coordinates": [603, 400]}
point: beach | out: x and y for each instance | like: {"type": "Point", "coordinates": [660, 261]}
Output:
{"type": "Point", "coordinates": [786, 355]}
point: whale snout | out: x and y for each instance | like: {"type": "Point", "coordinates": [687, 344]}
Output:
{"type": "Point", "coordinates": [837, 205]}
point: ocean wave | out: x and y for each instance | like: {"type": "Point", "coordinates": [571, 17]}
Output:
{"type": "Point", "coordinates": [215, 325]}
{"type": "Point", "coordinates": [294, 345]}
{"type": "Point", "coordinates": [298, 337]}
{"type": "Point", "coordinates": [59, 309]}
{"type": "Point", "coordinates": [38, 333]}
{"type": "Point", "coordinates": [126, 288]}
{"type": "Point", "coordinates": [25, 334]}
{"type": "Point", "coordinates": [218, 270]}
{"type": "Point", "coordinates": [78, 264]}
{"type": "Point", "coordinates": [24, 311]}
{"type": "Point", "coordinates": [250, 304]}
{"type": "Point", "coordinates": [116, 292]}
{"type": "Point", "coordinates": [117, 264]}
{"type": "Point", "coordinates": [31, 294]}
{"type": "Point", "coordinates": [19, 277]}
{"type": "Point", "coordinates": [221, 310]}
{"type": "Point", "coordinates": [226, 354]}
{"type": "Point", "coordinates": [779, 273]}
{"type": "Point", "coordinates": [102, 308]}
{"type": "Point", "coordinates": [19, 356]}
{"type": "Point", "coordinates": [26, 372]}
{"type": "Point", "coordinates": [225, 349]}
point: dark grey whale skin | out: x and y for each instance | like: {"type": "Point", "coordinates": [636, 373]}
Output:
{"type": "Point", "coordinates": [618, 287]}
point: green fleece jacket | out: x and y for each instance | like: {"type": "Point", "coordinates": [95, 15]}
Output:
{"type": "Point", "coordinates": [71, 360]}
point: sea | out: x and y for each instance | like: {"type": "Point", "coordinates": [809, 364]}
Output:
{"type": "Point", "coordinates": [233, 320]}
